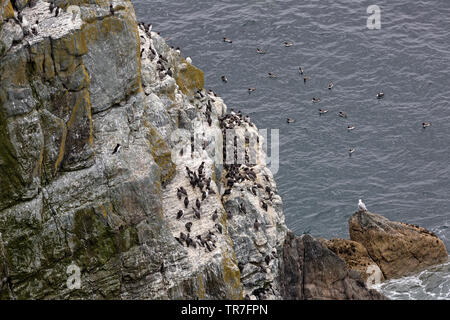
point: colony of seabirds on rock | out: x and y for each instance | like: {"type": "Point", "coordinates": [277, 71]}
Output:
{"type": "Point", "coordinates": [236, 173]}
{"type": "Point", "coordinates": [32, 28]}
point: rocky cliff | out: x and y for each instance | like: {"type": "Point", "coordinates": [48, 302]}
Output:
{"type": "Point", "coordinates": [114, 159]}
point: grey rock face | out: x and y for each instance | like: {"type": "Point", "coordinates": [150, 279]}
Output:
{"type": "Point", "coordinates": [311, 271]}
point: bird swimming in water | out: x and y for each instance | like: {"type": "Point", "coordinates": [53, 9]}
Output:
{"type": "Point", "coordinates": [260, 51]}
{"type": "Point", "coordinates": [287, 43]}
{"type": "Point", "coordinates": [117, 148]}
{"type": "Point", "coordinates": [179, 214]}
{"type": "Point", "coordinates": [228, 40]}
{"type": "Point", "coordinates": [250, 90]}
{"type": "Point", "coordinates": [322, 111]}
{"type": "Point", "coordinates": [300, 70]}
{"type": "Point", "coordinates": [361, 205]}
{"type": "Point", "coordinates": [315, 100]}
{"type": "Point", "coordinates": [290, 120]}
{"type": "Point", "coordinates": [350, 151]}
{"type": "Point", "coordinates": [349, 128]}
{"type": "Point", "coordinates": [380, 95]}
{"type": "Point", "coordinates": [272, 75]}
{"type": "Point", "coordinates": [330, 85]}
{"type": "Point", "coordinates": [306, 79]}
{"type": "Point", "coordinates": [224, 79]}
{"type": "Point", "coordinates": [342, 114]}
{"type": "Point", "coordinates": [426, 124]}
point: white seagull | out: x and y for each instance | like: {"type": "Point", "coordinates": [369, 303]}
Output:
{"type": "Point", "coordinates": [361, 205]}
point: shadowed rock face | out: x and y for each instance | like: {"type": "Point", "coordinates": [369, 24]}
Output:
{"type": "Point", "coordinates": [311, 271]}
{"type": "Point", "coordinates": [398, 248]}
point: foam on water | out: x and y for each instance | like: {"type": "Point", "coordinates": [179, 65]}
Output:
{"type": "Point", "coordinates": [431, 284]}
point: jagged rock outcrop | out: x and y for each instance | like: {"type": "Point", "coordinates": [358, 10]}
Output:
{"type": "Point", "coordinates": [397, 248]}
{"type": "Point", "coordinates": [354, 254]}
{"type": "Point", "coordinates": [71, 91]}
{"type": "Point", "coordinates": [311, 271]}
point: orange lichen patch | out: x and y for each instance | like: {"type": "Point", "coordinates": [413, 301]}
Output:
{"type": "Point", "coordinates": [6, 9]}
{"type": "Point", "coordinates": [189, 79]}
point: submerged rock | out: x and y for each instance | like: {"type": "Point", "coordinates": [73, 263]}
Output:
{"type": "Point", "coordinates": [397, 248]}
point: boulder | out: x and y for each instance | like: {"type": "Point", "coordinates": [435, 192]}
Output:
{"type": "Point", "coordinates": [353, 253]}
{"type": "Point", "coordinates": [310, 271]}
{"type": "Point", "coordinates": [397, 248]}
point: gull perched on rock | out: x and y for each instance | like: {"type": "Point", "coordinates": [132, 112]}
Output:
{"type": "Point", "coordinates": [361, 205]}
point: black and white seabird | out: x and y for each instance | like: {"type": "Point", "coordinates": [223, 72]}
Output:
{"type": "Point", "coordinates": [250, 90]}
{"type": "Point", "coordinates": [349, 128]}
{"type": "Point", "coordinates": [306, 79]}
{"type": "Point", "coordinates": [57, 11]}
{"type": "Point", "coordinates": [380, 95]}
{"type": "Point", "coordinates": [179, 214]}
{"type": "Point", "coordinates": [330, 85]}
{"type": "Point", "coordinates": [256, 225]}
{"type": "Point", "coordinates": [315, 100]}
{"type": "Point", "coordinates": [228, 40]}
{"type": "Point", "coordinates": [111, 9]}
{"type": "Point", "coordinates": [322, 111]}
{"type": "Point", "coordinates": [224, 79]}
{"type": "Point", "coordinates": [287, 43]}
{"type": "Point", "coordinates": [350, 151]}
{"type": "Point", "coordinates": [197, 203]}
{"type": "Point", "coordinates": [426, 124]}
{"type": "Point", "coordinates": [186, 202]}
{"type": "Point", "coordinates": [117, 148]}
{"type": "Point", "coordinates": [290, 120]}
{"type": "Point", "coordinates": [300, 70]}
{"type": "Point", "coordinates": [229, 215]}
{"type": "Point", "coordinates": [51, 6]}
{"type": "Point", "coordinates": [260, 51]}
{"type": "Point", "coordinates": [272, 75]}
{"type": "Point", "coordinates": [342, 114]}
{"type": "Point", "coordinates": [196, 213]}
{"type": "Point", "coordinates": [215, 215]}
{"type": "Point", "coordinates": [264, 205]}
